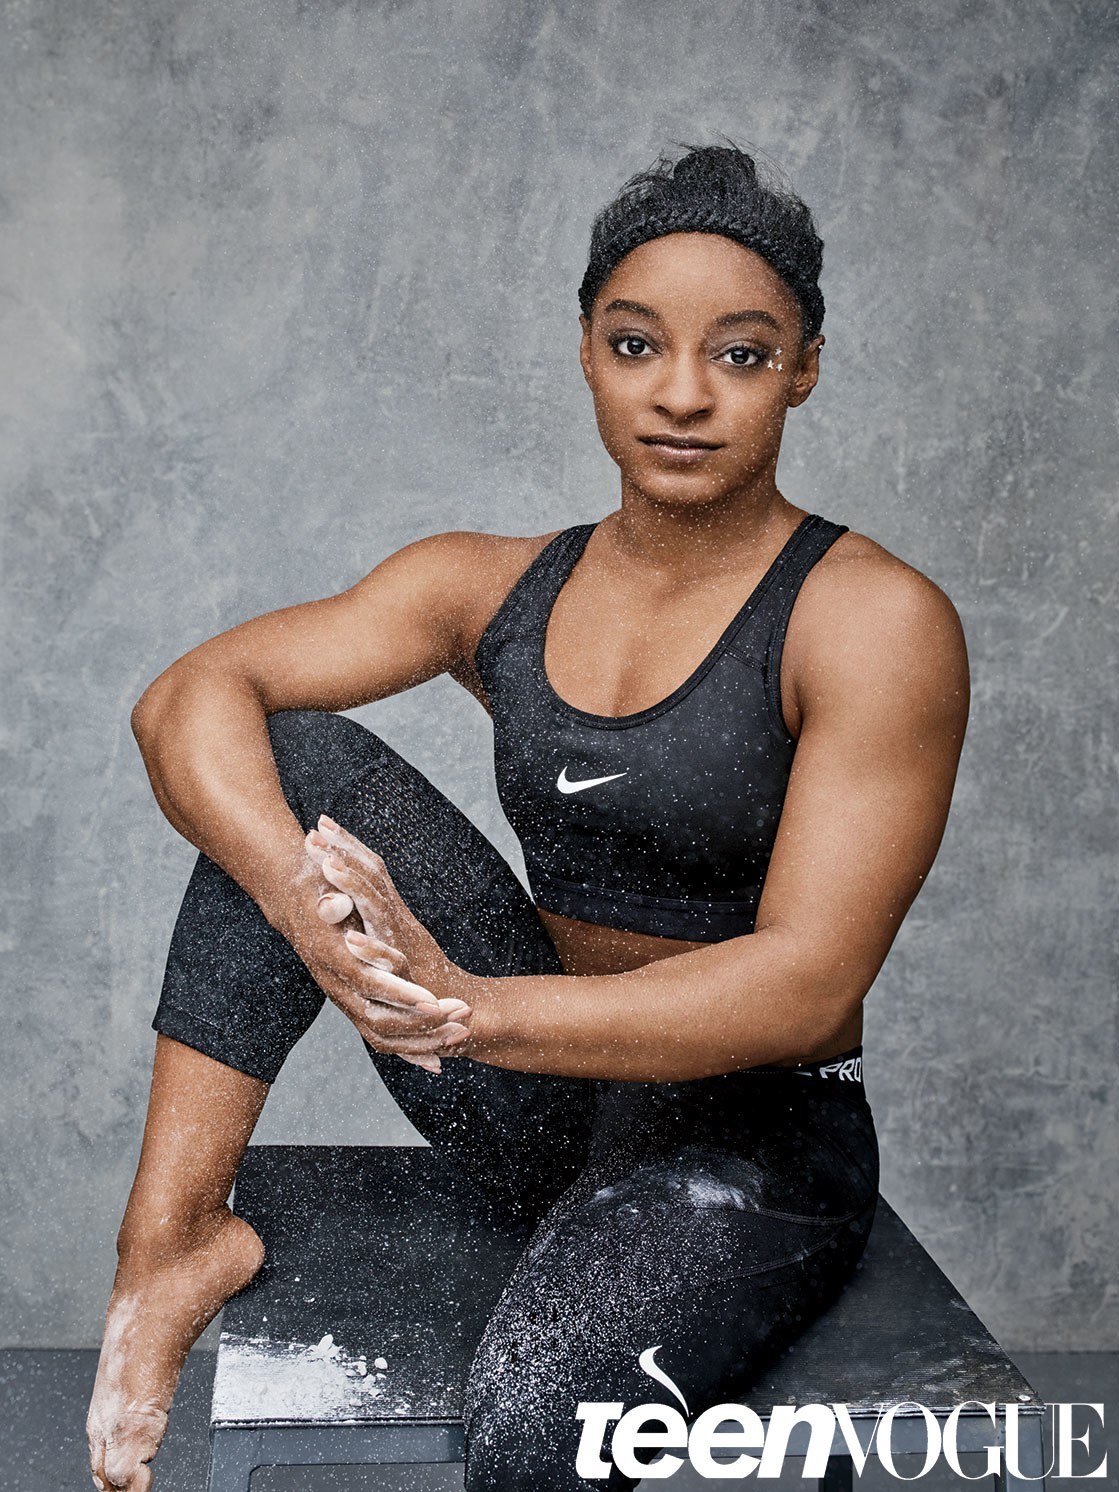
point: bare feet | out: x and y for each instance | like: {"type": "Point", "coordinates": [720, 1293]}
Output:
{"type": "Point", "coordinates": [158, 1308]}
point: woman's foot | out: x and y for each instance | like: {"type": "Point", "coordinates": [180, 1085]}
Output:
{"type": "Point", "coordinates": [162, 1299]}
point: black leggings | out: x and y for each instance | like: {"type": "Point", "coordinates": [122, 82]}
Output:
{"type": "Point", "coordinates": [713, 1219]}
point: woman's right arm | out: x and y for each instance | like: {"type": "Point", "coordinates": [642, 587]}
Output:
{"type": "Point", "coordinates": [201, 724]}
{"type": "Point", "coordinates": [201, 727]}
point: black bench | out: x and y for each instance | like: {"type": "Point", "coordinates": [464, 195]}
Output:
{"type": "Point", "coordinates": [352, 1345]}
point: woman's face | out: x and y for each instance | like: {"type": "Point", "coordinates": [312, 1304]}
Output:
{"type": "Point", "coordinates": [697, 339]}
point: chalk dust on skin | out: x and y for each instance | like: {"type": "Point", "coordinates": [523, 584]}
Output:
{"type": "Point", "coordinates": [124, 1431]}
{"type": "Point", "coordinates": [154, 1317]}
{"type": "Point", "coordinates": [301, 1382]}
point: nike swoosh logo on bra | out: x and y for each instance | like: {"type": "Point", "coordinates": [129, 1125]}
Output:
{"type": "Point", "coordinates": [565, 785]}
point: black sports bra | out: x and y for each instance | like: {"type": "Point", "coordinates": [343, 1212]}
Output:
{"type": "Point", "coordinates": [662, 821]}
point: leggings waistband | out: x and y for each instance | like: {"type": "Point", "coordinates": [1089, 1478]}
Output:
{"type": "Point", "coordinates": [847, 1067]}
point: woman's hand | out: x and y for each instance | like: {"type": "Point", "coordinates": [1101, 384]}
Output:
{"type": "Point", "coordinates": [356, 960]}
{"type": "Point", "coordinates": [392, 959]}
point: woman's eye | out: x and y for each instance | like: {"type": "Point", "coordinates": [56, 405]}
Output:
{"type": "Point", "coordinates": [743, 357]}
{"type": "Point", "coordinates": [630, 346]}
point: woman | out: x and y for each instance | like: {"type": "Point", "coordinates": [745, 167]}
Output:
{"type": "Point", "coordinates": [726, 732]}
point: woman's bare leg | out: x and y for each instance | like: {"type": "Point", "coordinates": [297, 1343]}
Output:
{"type": "Point", "coordinates": [181, 1252]}
{"type": "Point", "coordinates": [235, 988]}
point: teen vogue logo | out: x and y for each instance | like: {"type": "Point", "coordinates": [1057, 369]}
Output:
{"type": "Point", "coordinates": [650, 1427]}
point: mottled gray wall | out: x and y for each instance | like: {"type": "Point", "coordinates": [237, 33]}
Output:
{"type": "Point", "coordinates": [287, 285]}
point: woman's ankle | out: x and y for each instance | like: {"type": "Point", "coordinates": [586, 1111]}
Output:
{"type": "Point", "coordinates": [158, 1238]}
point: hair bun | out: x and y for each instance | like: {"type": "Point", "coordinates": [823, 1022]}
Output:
{"type": "Point", "coordinates": [711, 189]}
{"type": "Point", "coordinates": [708, 165]}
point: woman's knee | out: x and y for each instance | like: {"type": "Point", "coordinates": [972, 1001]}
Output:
{"type": "Point", "coordinates": [316, 751]}
{"type": "Point", "coordinates": [302, 738]}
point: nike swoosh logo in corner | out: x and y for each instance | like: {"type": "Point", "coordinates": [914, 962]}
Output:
{"type": "Point", "coordinates": [565, 785]}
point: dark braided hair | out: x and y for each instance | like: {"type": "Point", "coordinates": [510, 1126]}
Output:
{"type": "Point", "coordinates": [711, 189]}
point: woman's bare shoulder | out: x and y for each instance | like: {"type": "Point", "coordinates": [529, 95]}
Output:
{"type": "Point", "coordinates": [474, 570]}
{"type": "Point", "coordinates": [484, 563]}
{"type": "Point", "coordinates": [472, 546]}
{"type": "Point", "coordinates": [864, 610]}
{"type": "Point", "coordinates": [860, 577]}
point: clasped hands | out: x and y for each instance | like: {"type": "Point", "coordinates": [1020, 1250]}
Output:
{"type": "Point", "coordinates": [389, 959]}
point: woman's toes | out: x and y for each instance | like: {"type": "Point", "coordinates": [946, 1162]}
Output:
{"type": "Point", "coordinates": [150, 1326]}
{"type": "Point", "coordinates": [129, 1448]}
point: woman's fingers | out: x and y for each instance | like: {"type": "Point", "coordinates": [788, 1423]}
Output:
{"type": "Point", "coordinates": [367, 898]}
{"type": "Point", "coordinates": [353, 891]}
{"type": "Point", "coordinates": [385, 1020]}
{"type": "Point", "coordinates": [376, 953]}
{"type": "Point", "coordinates": [328, 841]}
{"type": "Point", "coordinates": [399, 1005]}
{"type": "Point", "coordinates": [339, 861]}
{"type": "Point", "coordinates": [396, 1023]}
{"type": "Point", "coordinates": [334, 907]}
{"type": "Point", "coordinates": [419, 1032]}
{"type": "Point", "coordinates": [316, 845]}
{"type": "Point", "coordinates": [391, 989]}
{"type": "Point", "coordinates": [430, 1064]}
{"type": "Point", "coordinates": [443, 1039]}
{"type": "Point", "coordinates": [322, 842]}
{"type": "Point", "coordinates": [339, 874]}
{"type": "Point", "coordinates": [395, 1014]}
{"type": "Point", "coordinates": [343, 839]}
{"type": "Point", "coordinates": [360, 873]}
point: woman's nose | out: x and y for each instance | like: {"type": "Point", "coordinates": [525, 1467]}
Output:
{"type": "Point", "coordinates": [683, 388]}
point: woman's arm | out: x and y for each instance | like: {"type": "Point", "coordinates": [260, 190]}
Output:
{"type": "Point", "coordinates": [883, 688]}
{"type": "Point", "coordinates": [201, 726]}
{"type": "Point", "coordinates": [202, 730]}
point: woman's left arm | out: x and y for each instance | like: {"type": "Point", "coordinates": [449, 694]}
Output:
{"type": "Point", "coordinates": [882, 686]}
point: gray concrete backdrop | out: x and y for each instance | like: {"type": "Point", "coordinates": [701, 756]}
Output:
{"type": "Point", "coordinates": [287, 285]}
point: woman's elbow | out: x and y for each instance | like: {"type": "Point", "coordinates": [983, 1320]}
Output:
{"type": "Point", "coordinates": [151, 706]}
{"type": "Point", "coordinates": [835, 1002]}
{"type": "Point", "coordinates": [819, 987]}
{"type": "Point", "coordinates": [142, 717]}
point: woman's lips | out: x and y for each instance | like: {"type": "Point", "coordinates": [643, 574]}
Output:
{"type": "Point", "coordinates": [679, 455]}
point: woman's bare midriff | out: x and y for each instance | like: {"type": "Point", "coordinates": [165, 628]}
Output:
{"type": "Point", "coordinates": [590, 948]}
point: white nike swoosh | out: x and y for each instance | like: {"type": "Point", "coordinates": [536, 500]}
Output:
{"type": "Point", "coordinates": [565, 785]}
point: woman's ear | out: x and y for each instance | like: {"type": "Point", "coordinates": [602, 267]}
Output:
{"type": "Point", "coordinates": [808, 373]}
{"type": "Point", "coordinates": [585, 347]}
